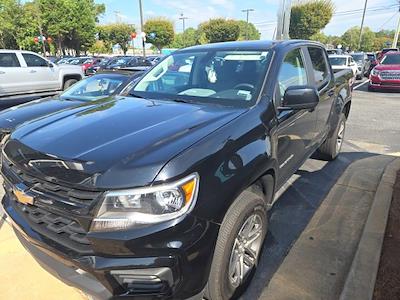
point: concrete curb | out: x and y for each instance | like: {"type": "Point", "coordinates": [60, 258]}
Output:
{"type": "Point", "coordinates": [360, 281]}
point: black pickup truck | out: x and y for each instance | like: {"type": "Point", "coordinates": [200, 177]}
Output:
{"type": "Point", "coordinates": [165, 193]}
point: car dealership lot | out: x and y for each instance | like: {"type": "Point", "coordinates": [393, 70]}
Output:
{"type": "Point", "coordinates": [372, 129]}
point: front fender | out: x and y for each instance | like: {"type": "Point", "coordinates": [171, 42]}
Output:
{"type": "Point", "coordinates": [228, 161]}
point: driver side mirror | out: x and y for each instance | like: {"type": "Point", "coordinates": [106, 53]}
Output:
{"type": "Point", "coordinates": [300, 97]}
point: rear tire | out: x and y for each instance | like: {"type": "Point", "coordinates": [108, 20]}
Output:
{"type": "Point", "coordinates": [330, 149]}
{"type": "Point", "coordinates": [69, 83]}
{"type": "Point", "coordinates": [236, 255]}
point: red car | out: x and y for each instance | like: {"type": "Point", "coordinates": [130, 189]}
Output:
{"type": "Point", "coordinates": [386, 75]}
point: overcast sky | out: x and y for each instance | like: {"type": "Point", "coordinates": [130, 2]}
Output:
{"type": "Point", "coordinates": [381, 14]}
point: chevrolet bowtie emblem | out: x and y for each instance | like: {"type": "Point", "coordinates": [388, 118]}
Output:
{"type": "Point", "coordinates": [22, 197]}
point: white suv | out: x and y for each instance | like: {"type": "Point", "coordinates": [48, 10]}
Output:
{"type": "Point", "coordinates": [25, 72]}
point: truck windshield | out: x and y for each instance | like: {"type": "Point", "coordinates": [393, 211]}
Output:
{"type": "Point", "coordinates": [95, 87]}
{"type": "Point", "coordinates": [393, 59]}
{"type": "Point", "coordinates": [338, 61]}
{"type": "Point", "coordinates": [358, 57]}
{"type": "Point", "coordinates": [231, 78]}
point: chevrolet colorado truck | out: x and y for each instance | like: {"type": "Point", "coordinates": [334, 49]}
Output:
{"type": "Point", "coordinates": [164, 194]}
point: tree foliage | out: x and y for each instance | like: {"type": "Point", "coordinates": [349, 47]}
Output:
{"type": "Point", "coordinates": [220, 30]}
{"type": "Point", "coordinates": [163, 31]}
{"type": "Point", "coordinates": [118, 33]}
{"type": "Point", "coordinates": [308, 18]}
{"type": "Point", "coordinates": [248, 31]}
{"type": "Point", "coordinates": [9, 13]}
{"type": "Point", "coordinates": [185, 39]}
{"type": "Point", "coordinates": [350, 39]}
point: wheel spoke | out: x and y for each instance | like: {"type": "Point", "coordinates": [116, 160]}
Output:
{"type": "Point", "coordinates": [249, 259]}
{"type": "Point", "coordinates": [241, 263]}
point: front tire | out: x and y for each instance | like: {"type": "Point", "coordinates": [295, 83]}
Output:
{"type": "Point", "coordinates": [238, 247]}
{"type": "Point", "coordinates": [69, 83]}
{"type": "Point", "coordinates": [332, 146]}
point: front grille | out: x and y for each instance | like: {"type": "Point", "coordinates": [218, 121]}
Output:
{"type": "Point", "coordinates": [59, 229]}
{"type": "Point", "coordinates": [390, 75]}
{"type": "Point", "coordinates": [49, 189]}
{"type": "Point", "coordinates": [48, 220]}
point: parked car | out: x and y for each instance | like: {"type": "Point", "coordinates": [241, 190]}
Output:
{"type": "Point", "coordinates": [86, 92]}
{"type": "Point", "coordinates": [362, 62]}
{"type": "Point", "coordinates": [126, 61]}
{"type": "Point", "coordinates": [386, 75]}
{"type": "Point", "coordinates": [373, 62]}
{"type": "Point", "coordinates": [386, 50]}
{"type": "Point", "coordinates": [164, 194]}
{"type": "Point", "coordinates": [98, 66]}
{"type": "Point", "coordinates": [24, 72]}
{"type": "Point", "coordinates": [342, 62]}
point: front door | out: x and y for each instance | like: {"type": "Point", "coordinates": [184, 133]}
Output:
{"type": "Point", "coordinates": [297, 128]}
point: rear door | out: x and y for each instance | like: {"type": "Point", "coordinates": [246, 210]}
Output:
{"type": "Point", "coordinates": [11, 79]}
{"type": "Point", "coordinates": [42, 75]}
{"type": "Point", "coordinates": [323, 80]}
{"type": "Point", "coordinates": [296, 129]}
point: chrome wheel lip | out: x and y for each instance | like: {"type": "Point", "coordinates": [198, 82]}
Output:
{"type": "Point", "coordinates": [340, 136]}
{"type": "Point", "coordinates": [245, 250]}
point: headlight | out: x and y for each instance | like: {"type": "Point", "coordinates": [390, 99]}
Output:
{"type": "Point", "coordinates": [137, 207]}
{"type": "Point", "coordinates": [375, 72]}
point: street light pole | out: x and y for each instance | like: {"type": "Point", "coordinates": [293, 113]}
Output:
{"type": "Point", "coordinates": [142, 28]}
{"type": "Point", "coordinates": [183, 21]}
{"type": "Point", "coordinates": [362, 24]}
{"type": "Point", "coordinates": [396, 36]}
{"type": "Point", "coordinates": [247, 11]}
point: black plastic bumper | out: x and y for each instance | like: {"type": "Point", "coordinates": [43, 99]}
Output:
{"type": "Point", "coordinates": [171, 274]}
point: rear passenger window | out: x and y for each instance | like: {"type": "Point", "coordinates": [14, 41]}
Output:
{"type": "Point", "coordinates": [34, 60]}
{"type": "Point", "coordinates": [320, 66]}
{"type": "Point", "coordinates": [292, 71]}
{"type": "Point", "coordinates": [9, 60]}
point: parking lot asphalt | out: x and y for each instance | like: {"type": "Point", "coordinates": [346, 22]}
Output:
{"type": "Point", "coordinates": [373, 130]}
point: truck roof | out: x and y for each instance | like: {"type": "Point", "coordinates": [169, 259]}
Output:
{"type": "Point", "coordinates": [15, 51]}
{"type": "Point", "coordinates": [251, 45]}
{"type": "Point", "coordinates": [340, 55]}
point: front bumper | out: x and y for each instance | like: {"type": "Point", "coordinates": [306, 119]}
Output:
{"type": "Point", "coordinates": [378, 83]}
{"type": "Point", "coordinates": [176, 267]}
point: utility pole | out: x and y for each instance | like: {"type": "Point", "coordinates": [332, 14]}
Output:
{"type": "Point", "coordinates": [247, 11]}
{"type": "Point", "coordinates": [396, 36]}
{"type": "Point", "coordinates": [362, 24]}
{"type": "Point", "coordinates": [142, 28]}
{"type": "Point", "coordinates": [284, 12]}
{"type": "Point", "coordinates": [183, 21]}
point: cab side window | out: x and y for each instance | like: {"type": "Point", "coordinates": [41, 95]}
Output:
{"type": "Point", "coordinates": [291, 73]}
{"type": "Point", "coordinates": [34, 60]}
{"type": "Point", "coordinates": [320, 66]}
{"type": "Point", "coordinates": [9, 60]}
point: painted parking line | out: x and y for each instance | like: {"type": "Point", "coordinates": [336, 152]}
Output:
{"type": "Point", "coordinates": [361, 84]}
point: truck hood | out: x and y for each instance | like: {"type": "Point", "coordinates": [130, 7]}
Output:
{"type": "Point", "coordinates": [123, 143]}
{"type": "Point", "coordinates": [17, 115]}
{"type": "Point", "coordinates": [388, 67]}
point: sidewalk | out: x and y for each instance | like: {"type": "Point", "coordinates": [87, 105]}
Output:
{"type": "Point", "coordinates": [338, 235]}
{"type": "Point", "coordinates": [22, 278]}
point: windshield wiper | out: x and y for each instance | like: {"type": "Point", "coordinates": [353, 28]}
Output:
{"type": "Point", "coordinates": [133, 94]}
{"type": "Point", "coordinates": [181, 101]}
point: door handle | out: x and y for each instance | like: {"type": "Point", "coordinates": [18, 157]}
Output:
{"type": "Point", "coordinates": [32, 71]}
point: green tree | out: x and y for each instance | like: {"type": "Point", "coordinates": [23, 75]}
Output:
{"type": "Point", "coordinates": [10, 12]}
{"type": "Point", "coordinates": [248, 31]}
{"type": "Point", "coordinates": [220, 30]}
{"type": "Point", "coordinates": [118, 33]}
{"type": "Point", "coordinates": [351, 39]}
{"type": "Point", "coordinates": [99, 48]}
{"type": "Point", "coordinates": [163, 31]}
{"type": "Point", "coordinates": [185, 39]}
{"type": "Point", "coordinates": [308, 18]}
{"type": "Point", "coordinates": [72, 24]}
